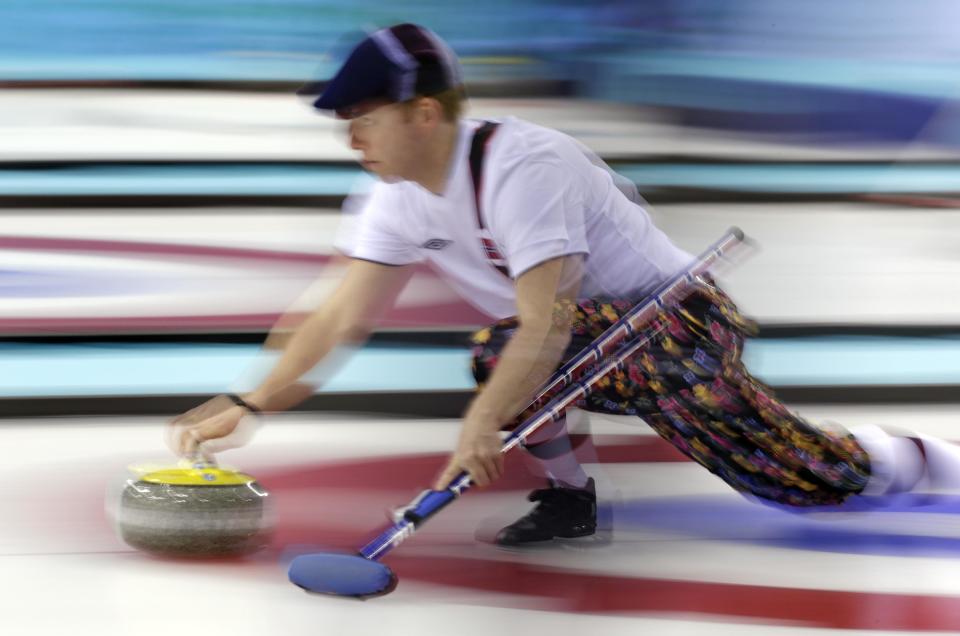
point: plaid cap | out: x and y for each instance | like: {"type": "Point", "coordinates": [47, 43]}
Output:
{"type": "Point", "coordinates": [396, 63]}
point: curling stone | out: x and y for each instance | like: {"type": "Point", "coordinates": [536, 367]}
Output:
{"type": "Point", "coordinates": [196, 511]}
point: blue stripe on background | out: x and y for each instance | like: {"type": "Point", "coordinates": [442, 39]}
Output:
{"type": "Point", "coordinates": [293, 40]}
{"type": "Point", "coordinates": [923, 530]}
{"type": "Point", "coordinates": [226, 66]}
{"type": "Point", "coordinates": [860, 360]}
{"type": "Point", "coordinates": [182, 180]}
{"type": "Point", "coordinates": [814, 179]}
{"type": "Point", "coordinates": [30, 370]}
{"type": "Point", "coordinates": [323, 180]}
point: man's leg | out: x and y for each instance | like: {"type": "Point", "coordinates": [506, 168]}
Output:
{"type": "Point", "coordinates": [711, 409]}
{"type": "Point", "coordinates": [902, 461]}
{"type": "Point", "coordinates": [567, 507]}
{"type": "Point", "coordinates": [718, 414]}
{"type": "Point", "coordinates": [550, 451]}
{"type": "Point", "coordinates": [693, 390]}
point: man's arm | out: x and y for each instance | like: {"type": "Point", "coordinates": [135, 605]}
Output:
{"type": "Point", "coordinates": [532, 353]}
{"type": "Point", "coordinates": [286, 326]}
{"type": "Point", "coordinates": [535, 349]}
{"type": "Point", "coordinates": [347, 316]}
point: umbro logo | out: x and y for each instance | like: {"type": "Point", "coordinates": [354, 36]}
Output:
{"type": "Point", "coordinates": [436, 244]}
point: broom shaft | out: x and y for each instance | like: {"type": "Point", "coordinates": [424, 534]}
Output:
{"type": "Point", "coordinates": [631, 333]}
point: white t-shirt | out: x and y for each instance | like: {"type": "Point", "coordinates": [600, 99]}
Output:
{"type": "Point", "coordinates": [544, 195]}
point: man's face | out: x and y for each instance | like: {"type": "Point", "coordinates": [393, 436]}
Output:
{"type": "Point", "coordinates": [386, 137]}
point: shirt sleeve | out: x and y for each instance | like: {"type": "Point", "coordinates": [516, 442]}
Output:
{"type": "Point", "coordinates": [369, 228]}
{"type": "Point", "coordinates": [537, 214]}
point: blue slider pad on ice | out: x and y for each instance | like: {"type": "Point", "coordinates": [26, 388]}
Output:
{"type": "Point", "coordinates": [342, 575]}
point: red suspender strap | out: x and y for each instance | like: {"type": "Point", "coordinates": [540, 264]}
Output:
{"type": "Point", "coordinates": [478, 150]}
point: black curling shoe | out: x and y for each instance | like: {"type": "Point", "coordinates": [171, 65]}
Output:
{"type": "Point", "coordinates": [560, 512]}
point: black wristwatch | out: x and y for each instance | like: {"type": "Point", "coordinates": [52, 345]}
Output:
{"type": "Point", "coordinates": [239, 401]}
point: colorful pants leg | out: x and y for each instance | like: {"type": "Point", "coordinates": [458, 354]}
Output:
{"type": "Point", "coordinates": [690, 385]}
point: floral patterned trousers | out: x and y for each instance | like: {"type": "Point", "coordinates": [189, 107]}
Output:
{"type": "Point", "coordinates": [691, 387]}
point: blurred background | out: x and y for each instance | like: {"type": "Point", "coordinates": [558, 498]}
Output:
{"type": "Point", "coordinates": [166, 197]}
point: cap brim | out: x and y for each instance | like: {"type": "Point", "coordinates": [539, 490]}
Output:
{"type": "Point", "coordinates": [364, 76]}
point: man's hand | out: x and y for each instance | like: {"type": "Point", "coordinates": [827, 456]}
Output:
{"type": "Point", "coordinates": [478, 453]}
{"type": "Point", "coordinates": [211, 427]}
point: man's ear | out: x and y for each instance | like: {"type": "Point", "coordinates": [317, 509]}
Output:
{"type": "Point", "coordinates": [428, 111]}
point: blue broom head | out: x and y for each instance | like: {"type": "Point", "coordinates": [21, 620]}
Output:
{"type": "Point", "coordinates": [341, 575]}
